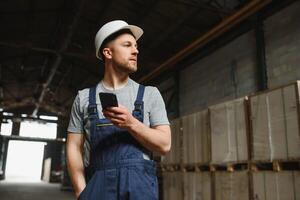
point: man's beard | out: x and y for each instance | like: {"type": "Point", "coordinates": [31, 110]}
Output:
{"type": "Point", "coordinates": [126, 67]}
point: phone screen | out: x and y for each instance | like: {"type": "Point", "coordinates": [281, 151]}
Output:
{"type": "Point", "coordinates": [108, 100]}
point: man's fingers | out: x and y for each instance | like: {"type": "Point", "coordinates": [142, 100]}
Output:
{"type": "Point", "coordinates": [117, 122]}
{"type": "Point", "coordinates": [119, 110]}
{"type": "Point", "coordinates": [112, 115]}
{"type": "Point", "coordinates": [108, 114]}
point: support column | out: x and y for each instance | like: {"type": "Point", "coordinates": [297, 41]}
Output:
{"type": "Point", "coordinates": [3, 156]}
{"type": "Point", "coordinates": [262, 76]}
{"type": "Point", "coordinates": [177, 95]}
{"type": "Point", "coordinates": [16, 126]}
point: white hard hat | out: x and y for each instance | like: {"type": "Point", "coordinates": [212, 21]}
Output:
{"type": "Point", "coordinates": [112, 27]}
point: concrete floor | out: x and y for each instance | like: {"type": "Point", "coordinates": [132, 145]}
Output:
{"type": "Point", "coordinates": [33, 191]}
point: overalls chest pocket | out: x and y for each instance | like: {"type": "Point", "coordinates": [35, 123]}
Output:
{"type": "Point", "coordinates": [107, 134]}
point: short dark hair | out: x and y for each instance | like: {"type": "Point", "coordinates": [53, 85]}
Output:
{"type": "Point", "coordinates": [111, 38]}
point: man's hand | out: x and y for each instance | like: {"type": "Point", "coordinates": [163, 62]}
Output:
{"type": "Point", "coordinates": [157, 138]}
{"type": "Point", "coordinates": [120, 116]}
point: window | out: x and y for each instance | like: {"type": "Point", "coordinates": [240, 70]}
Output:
{"type": "Point", "coordinates": [38, 129]}
{"type": "Point", "coordinates": [6, 127]}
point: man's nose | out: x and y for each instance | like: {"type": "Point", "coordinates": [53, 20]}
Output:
{"type": "Point", "coordinates": [135, 50]}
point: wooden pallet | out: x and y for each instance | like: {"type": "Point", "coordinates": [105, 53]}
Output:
{"type": "Point", "coordinates": [230, 167]}
{"type": "Point", "coordinates": [278, 165]}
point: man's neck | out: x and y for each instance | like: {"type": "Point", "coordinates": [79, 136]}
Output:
{"type": "Point", "coordinates": [112, 81]}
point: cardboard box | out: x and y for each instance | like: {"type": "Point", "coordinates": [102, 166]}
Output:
{"type": "Point", "coordinates": [274, 117]}
{"type": "Point", "coordinates": [281, 185]}
{"type": "Point", "coordinates": [196, 141]}
{"type": "Point", "coordinates": [232, 185]}
{"type": "Point", "coordinates": [229, 129]}
{"type": "Point", "coordinates": [175, 154]}
{"type": "Point", "coordinates": [197, 185]}
{"type": "Point", "coordinates": [172, 185]}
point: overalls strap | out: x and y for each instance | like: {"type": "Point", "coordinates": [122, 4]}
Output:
{"type": "Point", "coordinates": [92, 108]}
{"type": "Point", "coordinates": [138, 111]}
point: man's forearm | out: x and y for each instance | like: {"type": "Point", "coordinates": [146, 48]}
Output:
{"type": "Point", "coordinates": [76, 169]}
{"type": "Point", "coordinates": [154, 139]}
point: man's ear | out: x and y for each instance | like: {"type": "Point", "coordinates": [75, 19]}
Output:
{"type": "Point", "coordinates": [106, 53]}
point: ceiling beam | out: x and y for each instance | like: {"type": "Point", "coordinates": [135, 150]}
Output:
{"type": "Point", "coordinates": [9, 105]}
{"type": "Point", "coordinates": [215, 32]}
{"type": "Point", "coordinates": [29, 101]}
{"type": "Point", "coordinates": [35, 139]}
{"type": "Point", "coordinates": [29, 46]}
{"type": "Point", "coordinates": [28, 118]}
{"type": "Point", "coordinates": [58, 59]}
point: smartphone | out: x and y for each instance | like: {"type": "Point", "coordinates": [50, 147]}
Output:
{"type": "Point", "coordinates": [108, 100]}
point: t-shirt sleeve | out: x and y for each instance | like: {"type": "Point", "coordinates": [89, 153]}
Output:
{"type": "Point", "coordinates": [76, 119]}
{"type": "Point", "coordinates": [158, 113]}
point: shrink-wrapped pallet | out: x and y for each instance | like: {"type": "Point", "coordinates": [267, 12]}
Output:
{"type": "Point", "coordinates": [196, 145]}
{"type": "Point", "coordinates": [197, 186]}
{"type": "Point", "coordinates": [232, 185]}
{"type": "Point", "coordinates": [172, 185]}
{"type": "Point", "coordinates": [229, 131]}
{"type": "Point", "coordinates": [175, 154]}
{"type": "Point", "coordinates": [283, 185]}
{"type": "Point", "coordinates": [275, 124]}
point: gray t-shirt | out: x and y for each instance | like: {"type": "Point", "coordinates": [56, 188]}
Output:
{"type": "Point", "coordinates": [154, 109]}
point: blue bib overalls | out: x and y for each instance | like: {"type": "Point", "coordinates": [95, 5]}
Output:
{"type": "Point", "coordinates": [117, 169]}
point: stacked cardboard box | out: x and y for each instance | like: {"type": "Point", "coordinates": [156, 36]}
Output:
{"type": "Point", "coordinates": [173, 185]}
{"type": "Point", "coordinates": [197, 186]}
{"type": "Point", "coordinates": [275, 124]}
{"type": "Point", "coordinates": [231, 186]}
{"type": "Point", "coordinates": [270, 185]}
{"type": "Point", "coordinates": [266, 125]}
{"type": "Point", "coordinates": [175, 154]}
{"type": "Point", "coordinates": [229, 131]}
{"type": "Point", "coordinates": [195, 128]}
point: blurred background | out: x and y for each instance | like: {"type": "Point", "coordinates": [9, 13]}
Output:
{"type": "Point", "coordinates": [227, 70]}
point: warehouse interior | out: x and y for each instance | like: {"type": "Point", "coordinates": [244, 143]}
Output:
{"type": "Point", "coordinates": [227, 71]}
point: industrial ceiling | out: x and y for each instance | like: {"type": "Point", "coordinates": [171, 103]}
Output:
{"type": "Point", "coordinates": [47, 47]}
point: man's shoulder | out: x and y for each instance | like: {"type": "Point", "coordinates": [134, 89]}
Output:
{"type": "Point", "coordinates": [147, 87]}
{"type": "Point", "coordinates": [83, 92]}
{"type": "Point", "coordinates": [150, 89]}
{"type": "Point", "coordinates": [151, 93]}
{"type": "Point", "coordinates": [83, 95]}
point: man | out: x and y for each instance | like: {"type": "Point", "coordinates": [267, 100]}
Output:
{"type": "Point", "coordinates": [109, 151]}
